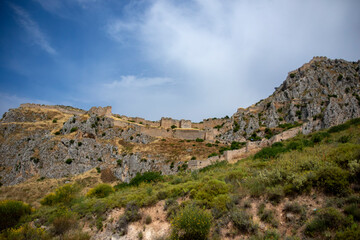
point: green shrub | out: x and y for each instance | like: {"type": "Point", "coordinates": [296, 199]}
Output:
{"type": "Point", "coordinates": [148, 219]}
{"type": "Point", "coordinates": [146, 177]}
{"type": "Point", "coordinates": [350, 233]}
{"type": "Point", "coordinates": [191, 223]}
{"type": "Point", "coordinates": [319, 136]}
{"type": "Point", "coordinates": [293, 208]}
{"type": "Point", "coordinates": [54, 120]}
{"type": "Point", "coordinates": [173, 126]}
{"type": "Point", "coordinates": [270, 152]}
{"type": "Point", "coordinates": [74, 129]}
{"type": "Point", "coordinates": [209, 190]}
{"type": "Point", "coordinates": [343, 139]}
{"type": "Point", "coordinates": [287, 126]}
{"type": "Point", "coordinates": [339, 128]}
{"type": "Point", "coordinates": [11, 211]}
{"type": "Point", "coordinates": [199, 140]}
{"type": "Point", "coordinates": [212, 155]}
{"type": "Point", "coordinates": [68, 161]}
{"type": "Point", "coordinates": [64, 194]}
{"type": "Point", "coordinates": [26, 232]}
{"type": "Point", "coordinates": [333, 180]}
{"type": "Point", "coordinates": [236, 126]}
{"type": "Point", "coordinates": [100, 191]}
{"type": "Point", "coordinates": [292, 75]}
{"type": "Point", "coordinates": [340, 77]}
{"type": "Point", "coordinates": [64, 222]}
{"type": "Point", "coordinates": [353, 210]}
{"type": "Point", "coordinates": [275, 194]}
{"type": "Point", "coordinates": [193, 158]}
{"type": "Point", "coordinates": [242, 221]}
{"type": "Point", "coordinates": [327, 218]}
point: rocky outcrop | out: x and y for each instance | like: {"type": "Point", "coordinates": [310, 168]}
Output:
{"type": "Point", "coordinates": [320, 94]}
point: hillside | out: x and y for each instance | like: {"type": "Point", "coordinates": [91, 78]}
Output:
{"type": "Point", "coordinates": [303, 188]}
{"type": "Point", "coordinates": [59, 141]}
{"type": "Point", "coordinates": [286, 167]}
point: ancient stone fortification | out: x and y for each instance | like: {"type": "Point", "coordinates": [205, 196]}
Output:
{"type": "Point", "coordinates": [100, 111]}
{"type": "Point", "coordinates": [250, 148]}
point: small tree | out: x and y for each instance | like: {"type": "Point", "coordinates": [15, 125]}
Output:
{"type": "Point", "coordinates": [191, 223]}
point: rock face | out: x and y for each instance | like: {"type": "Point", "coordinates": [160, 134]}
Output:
{"type": "Point", "coordinates": [57, 141]}
{"type": "Point", "coordinates": [320, 94]}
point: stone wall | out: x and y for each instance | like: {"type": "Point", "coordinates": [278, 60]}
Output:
{"type": "Point", "coordinates": [100, 111]}
{"type": "Point", "coordinates": [168, 122]}
{"type": "Point", "coordinates": [251, 147]}
{"type": "Point", "coordinates": [185, 123]}
{"type": "Point", "coordinates": [188, 134]}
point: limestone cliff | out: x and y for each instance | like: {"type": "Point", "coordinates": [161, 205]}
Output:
{"type": "Point", "coordinates": [320, 94]}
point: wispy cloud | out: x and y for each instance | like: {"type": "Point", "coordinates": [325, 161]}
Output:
{"type": "Point", "coordinates": [39, 38]}
{"type": "Point", "coordinates": [138, 82]}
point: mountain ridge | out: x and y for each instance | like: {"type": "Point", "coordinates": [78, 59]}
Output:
{"type": "Point", "coordinates": [55, 141]}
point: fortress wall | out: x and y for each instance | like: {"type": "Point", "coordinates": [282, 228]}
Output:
{"type": "Point", "coordinates": [185, 123]}
{"type": "Point", "coordinates": [251, 148]}
{"type": "Point", "coordinates": [168, 122]}
{"type": "Point", "coordinates": [101, 111]}
{"type": "Point", "coordinates": [285, 135]}
{"type": "Point", "coordinates": [188, 134]}
{"type": "Point", "coordinates": [157, 132]}
{"type": "Point", "coordinates": [211, 123]}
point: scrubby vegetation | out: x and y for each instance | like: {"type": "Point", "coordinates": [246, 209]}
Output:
{"type": "Point", "coordinates": [303, 188]}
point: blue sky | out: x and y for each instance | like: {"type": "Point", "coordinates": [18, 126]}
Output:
{"type": "Point", "coordinates": [189, 59]}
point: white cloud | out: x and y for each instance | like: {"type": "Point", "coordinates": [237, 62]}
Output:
{"type": "Point", "coordinates": [232, 53]}
{"type": "Point", "coordinates": [33, 29]}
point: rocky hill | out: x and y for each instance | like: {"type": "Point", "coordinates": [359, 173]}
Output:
{"type": "Point", "coordinates": [59, 141]}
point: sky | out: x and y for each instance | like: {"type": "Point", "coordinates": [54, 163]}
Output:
{"type": "Point", "coordinates": [189, 59]}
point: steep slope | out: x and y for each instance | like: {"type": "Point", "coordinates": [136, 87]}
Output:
{"type": "Point", "coordinates": [60, 141]}
{"type": "Point", "coordinates": [320, 94]}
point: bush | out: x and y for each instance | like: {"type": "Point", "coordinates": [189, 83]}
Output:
{"type": "Point", "coordinates": [26, 232]}
{"type": "Point", "coordinates": [353, 210]}
{"type": "Point", "coordinates": [191, 223]}
{"type": "Point", "coordinates": [293, 208]}
{"type": "Point", "coordinates": [199, 140]}
{"type": "Point", "coordinates": [64, 194]}
{"type": "Point", "coordinates": [270, 152]}
{"type": "Point", "coordinates": [64, 222]}
{"type": "Point", "coordinates": [333, 180]}
{"type": "Point", "coordinates": [100, 191]}
{"type": "Point", "coordinates": [173, 126]}
{"type": "Point", "coordinates": [148, 219]}
{"type": "Point", "coordinates": [212, 155]}
{"type": "Point", "coordinates": [68, 161]}
{"type": "Point", "coordinates": [11, 211]}
{"type": "Point", "coordinates": [242, 221]}
{"type": "Point", "coordinates": [74, 129]}
{"type": "Point", "coordinates": [319, 136]}
{"type": "Point", "coordinates": [350, 233]}
{"type": "Point", "coordinates": [146, 177]}
{"type": "Point", "coordinates": [327, 218]}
